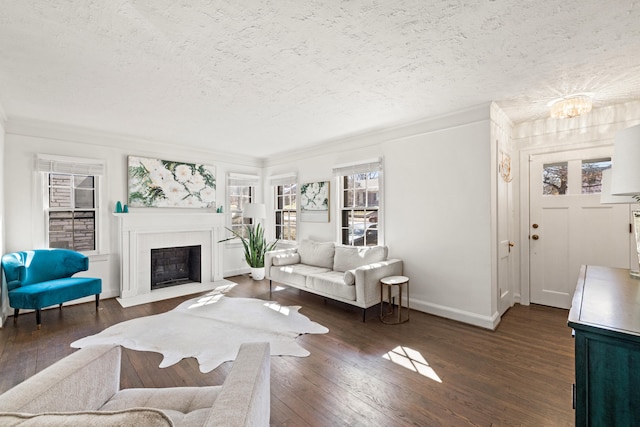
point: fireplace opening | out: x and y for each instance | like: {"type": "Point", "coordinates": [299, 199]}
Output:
{"type": "Point", "coordinates": [175, 266]}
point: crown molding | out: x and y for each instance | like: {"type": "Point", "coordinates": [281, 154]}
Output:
{"type": "Point", "coordinates": [49, 130]}
{"type": "Point", "coordinates": [378, 136]}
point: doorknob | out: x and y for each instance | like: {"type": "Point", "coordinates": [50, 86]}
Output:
{"type": "Point", "coordinates": [535, 225]}
{"type": "Point", "coordinates": [535, 237]}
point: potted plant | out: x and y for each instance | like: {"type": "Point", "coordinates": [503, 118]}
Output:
{"type": "Point", "coordinates": [255, 246]}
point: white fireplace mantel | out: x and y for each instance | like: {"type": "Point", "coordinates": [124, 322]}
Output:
{"type": "Point", "coordinates": [139, 232]}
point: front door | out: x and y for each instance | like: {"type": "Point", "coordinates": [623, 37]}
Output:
{"type": "Point", "coordinates": [569, 227]}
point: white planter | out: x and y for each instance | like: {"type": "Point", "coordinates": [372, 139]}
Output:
{"type": "Point", "coordinates": [257, 273]}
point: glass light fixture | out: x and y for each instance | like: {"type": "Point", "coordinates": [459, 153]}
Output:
{"type": "Point", "coordinates": [571, 106]}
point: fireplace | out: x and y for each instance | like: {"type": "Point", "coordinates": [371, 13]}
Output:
{"type": "Point", "coordinates": [141, 233]}
{"type": "Point", "coordinates": [175, 266]}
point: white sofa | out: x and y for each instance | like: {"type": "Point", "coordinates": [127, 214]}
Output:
{"type": "Point", "coordinates": [350, 274]}
{"type": "Point", "coordinates": [83, 389]}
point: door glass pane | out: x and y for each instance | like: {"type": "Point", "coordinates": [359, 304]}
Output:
{"type": "Point", "coordinates": [592, 175]}
{"type": "Point", "coordinates": [555, 179]}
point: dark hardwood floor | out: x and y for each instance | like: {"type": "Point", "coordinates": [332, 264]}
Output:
{"type": "Point", "coordinates": [427, 372]}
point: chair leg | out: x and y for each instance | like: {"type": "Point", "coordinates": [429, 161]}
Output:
{"type": "Point", "coordinates": [60, 306]}
{"type": "Point", "coordinates": [97, 301]}
{"type": "Point", "coordinates": [269, 288]}
{"type": "Point", "coordinates": [364, 315]}
{"type": "Point", "coordinates": [38, 318]}
{"type": "Point", "coordinates": [15, 315]}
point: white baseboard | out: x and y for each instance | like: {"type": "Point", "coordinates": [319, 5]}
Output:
{"type": "Point", "coordinates": [487, 322]}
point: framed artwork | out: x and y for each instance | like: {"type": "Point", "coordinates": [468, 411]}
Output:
{"type": "Point", "coordinates": [165, 183]}
{"type": "Point", "coordinates": [314, 202]}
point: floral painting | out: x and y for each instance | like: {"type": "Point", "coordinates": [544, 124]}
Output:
{"type": "Point", "coordinates": [314, 201]}
{"type": "Point", "coordinates": [164, 183]}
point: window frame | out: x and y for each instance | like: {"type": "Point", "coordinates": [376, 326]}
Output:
{"type": "Point", "coordinates": [46, 165]}
{"type": "Point", "coordinates": [345, 213]}
{"type": "Point", "coordinates": [241, 180]}
{"type": "Point", "coordinates": [279, 212]}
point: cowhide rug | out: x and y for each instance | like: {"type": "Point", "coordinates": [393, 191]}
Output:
{"type": "Point", "coordinates": [211, 329]}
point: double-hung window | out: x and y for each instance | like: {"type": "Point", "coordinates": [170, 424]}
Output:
{"type": "Point", "coordinates": [241, 189]}
{"type": "Point", "coordinates": [71, 202]}
{"type": "Point", "coordinates": [285, 206]}
{"type": "Point", "coordinates": [360, 203]}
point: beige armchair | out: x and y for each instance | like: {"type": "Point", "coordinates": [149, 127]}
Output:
{"type": "Point", "coordinates": [84, 389]}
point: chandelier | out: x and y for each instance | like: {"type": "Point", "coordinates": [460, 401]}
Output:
{"type": "Point", "coordinates": [571, 106]}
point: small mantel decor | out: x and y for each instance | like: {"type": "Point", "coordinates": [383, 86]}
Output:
{"type": "Point", "coordinates": [165, 183]}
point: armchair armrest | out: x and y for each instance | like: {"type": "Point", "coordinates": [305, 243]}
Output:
{"type": "Point", "coordinates": [368, 280]}
{"type": "Point", "coordinates": [82, 381]}
{"type": "Point", "coordinates": [245, 398]}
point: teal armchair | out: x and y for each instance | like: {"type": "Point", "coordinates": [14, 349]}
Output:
{"type": "Point", "coordinates": [41, 278]}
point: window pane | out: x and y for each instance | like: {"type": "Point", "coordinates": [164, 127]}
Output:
{"type": "Point", "coordinates": [72, 230]}
{"type": "Point", "coordinates": [61, 230]}
{"type": "Point", "coordinates": [56, 179]}
{"type": "Point", "coordinates": [555, 179]}
{"type": "Point", "coordinates": [83, 181]}
{"type": "Point", "coordinates": [59, 197]}
{"type": "Point", "coordinates": [348, 198]}
{"type": "Point", "coordinates": [84, 198]}
{"type": "Point", "coordinates": [234, 203]}
{"type": "Point", "coordinates": [592, 175]}
{"type": "Point", "coordinates": [84, 231]}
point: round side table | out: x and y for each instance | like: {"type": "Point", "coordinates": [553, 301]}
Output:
{"type": "Point", "coordinates": [390, 283]}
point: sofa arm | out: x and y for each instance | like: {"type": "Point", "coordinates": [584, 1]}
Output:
{"type": "Point", "coordinates": [368, 280]}
{"type": "Point", "coordinates": [245, 398]}
{"type": "Point", "coordinates": [82, 381]}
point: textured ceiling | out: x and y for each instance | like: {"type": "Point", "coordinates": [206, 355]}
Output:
{"type": "Point", "coordinates": [264, 77]}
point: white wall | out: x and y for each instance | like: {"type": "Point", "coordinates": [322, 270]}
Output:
{"type": "Point", "coordinates": [23, 201]}
{"type": "Point", "coordinates": [437, 207]}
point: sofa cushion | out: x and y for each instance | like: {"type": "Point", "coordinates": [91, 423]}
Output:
{"type": "Point", "coordinates": [186, 406]}
{"type": "Point", "coordinates": [286, 258]}
{"type": "Point", "coordinates": [331, 283]}
{"type": "Point", "coordinates": [319, 254]}
{"type": "Point", "coordinates": [53, 292]}
{"type": "Point", "coordinates": [352, 257]}
{"type": "Point", "coordinates": [295, 274]}
{"type": "Point", "coordinates": [133, 417]}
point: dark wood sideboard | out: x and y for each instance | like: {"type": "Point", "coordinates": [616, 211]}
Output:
{"type": "Point", "coordinates": [605, 316]}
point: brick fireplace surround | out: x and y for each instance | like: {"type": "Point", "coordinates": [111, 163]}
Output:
{"type": "Point", "coordinates": [139, 232]}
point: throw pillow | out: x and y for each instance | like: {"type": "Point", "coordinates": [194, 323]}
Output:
{"type": "Point", "coordinates": [352, 257]}
{"type": "Point", "coordinates": [286, 259]}
{"type": "Point", "coordinates": [349, 277]}
{"type": "Point", "coordinates": [318, 254]}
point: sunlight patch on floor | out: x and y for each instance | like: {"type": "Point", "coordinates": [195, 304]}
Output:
{"type": "Point", "coordinates": [213, 296]}
{"type": "Point", "coordinates": [277, 307]}
{"type": "Point", "coordinates": [412, 360]}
